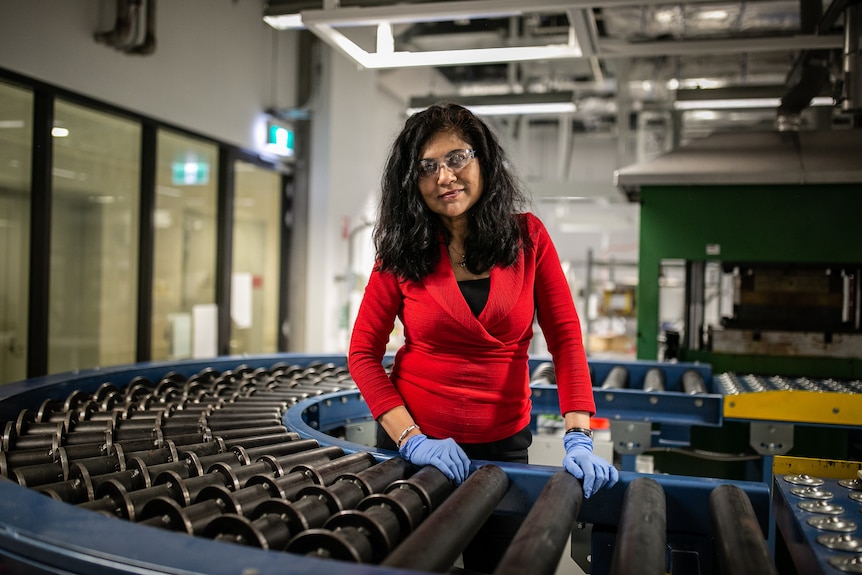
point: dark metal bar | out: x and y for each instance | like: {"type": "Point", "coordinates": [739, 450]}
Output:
{"type": "Point", "coordinates": [539, 542]}
{"type": "Point", "coordinates": [146, 242]}
{"type": "Point", "coordinates": [224, 248]}
{"type": "Point", "coordinates": [641, 543]}
{"type": "Point", "coordinates": [739, 542]}
{"type": "Point", "coordinates": [40, 234]}
{"type": "Point", "coordinates": [438, 541]}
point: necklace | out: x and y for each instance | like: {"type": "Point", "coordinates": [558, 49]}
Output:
{"type": "Point", "coordinates": [463, 261]}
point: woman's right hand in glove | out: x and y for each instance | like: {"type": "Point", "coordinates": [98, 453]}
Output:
{"type": "Point", "coordinates": [444, 454]}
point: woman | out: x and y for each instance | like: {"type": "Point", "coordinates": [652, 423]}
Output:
{"type": "Point", "coordinates": [466, 271]}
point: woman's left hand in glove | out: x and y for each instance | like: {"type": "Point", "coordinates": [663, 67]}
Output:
{"type": "Point", "coordinates": [581, 462]}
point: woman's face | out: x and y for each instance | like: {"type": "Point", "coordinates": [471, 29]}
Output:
{"type": "Point", "coordinates": [449, 192]}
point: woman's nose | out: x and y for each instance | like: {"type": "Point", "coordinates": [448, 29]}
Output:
{"type": "Point", "coordinates": [445, 174]}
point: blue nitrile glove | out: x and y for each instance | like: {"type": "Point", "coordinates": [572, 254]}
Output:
{"type": "Point", "coordinates": [444, 454]}
{"type": "Point", "coordinates": [581, 462]}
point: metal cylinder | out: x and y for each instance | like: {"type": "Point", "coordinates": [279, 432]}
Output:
{"type": "Point", "coordinates": [739, 543]}
{"type": "Point", "coordinates": [641, 543]}
{"type": "Point", "coordinates": [438, 541]}
{"type": "Point", "coordinates": [654, 379]}
{"type": "Point", "coordinates": [539, 542]}
{"type": "Point", "coordinates": [692, 382]}
{"type": "Point", "coordinates": [544, 374]}
{"type": "Point", "coordinates": [617, 378]}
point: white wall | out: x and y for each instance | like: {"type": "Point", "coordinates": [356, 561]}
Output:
{"type": "Point", "coordinates": [216, 66]}
{"type": "Point", "coordinates": [356, 116]}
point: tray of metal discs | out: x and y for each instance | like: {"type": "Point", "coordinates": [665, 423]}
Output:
{"type": "Point", "coordinates": [833, 508]}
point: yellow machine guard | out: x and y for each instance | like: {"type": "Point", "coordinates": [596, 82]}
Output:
{"type": "Point", "coordinates": [796, 406]}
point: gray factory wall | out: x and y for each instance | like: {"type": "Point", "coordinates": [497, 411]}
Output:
{"type": "Point", "coordinates": [215, 68]}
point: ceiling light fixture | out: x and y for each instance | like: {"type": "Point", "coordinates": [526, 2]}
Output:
{"type": "Point", "coordinates": [324, 24]}
{"type": "Point", "coordinates": [548, 103]}
{"type": "Point", "coordinates": [742, 103]}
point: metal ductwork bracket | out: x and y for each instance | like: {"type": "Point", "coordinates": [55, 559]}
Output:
{"type": "Point", "coordinates": [127, 35]}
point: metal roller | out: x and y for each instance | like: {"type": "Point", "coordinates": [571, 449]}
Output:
{"type": "Point", "coordinates": [74, 491]}
{"type": "Point", "coordinates": [201, 448]}
{"type": "Point", "coordinates": [617, 378]}
{"type": "Point", "coordinates": [166, 513]}
{"type": "Point", "coordinates": [739, 542]}
{"type": "Point", "coordinates": [544, 374]}
{"type": "Point", "coordinates": [379, 522]}
{"type": "Point", "coordinates": [692, 382]}
{"type": "Point", "coordinates": [288, 447]}
{"type": "Point", "coordinates": [23, 458]}
{"type": "Point", "coordinates": [33, 475]}
{"type": "Point", "coordinates": [164, 454]}
{"type": "Point", "coordinates": [272, 444]}
{"type": "Point", "coordinates": [274, 521]}
{"type": "Point", "coordinates": [239, 502]}
{"type": "Point", "coordinates": [539, 542]}
{"type": "Point", "coordinates": [342, 545]}
{"type": "Point", "coordinates": [129, 504]}
{"type": "Point", "coordinates": [130, 479]}
{"type": "Point", "coordinates": [267, 532]}
{"type": "Point", "coordinates": [641, 542]}
{"type": "Point", "coordinates": [378, 525]}
{"type": "Point", "coordinates": [654, 379]}
{"type": "Point", "coordinates": [350, 488]}
{"type": "Point", "coordinates": [236, 455]}
{"type": "Point", "coordinates": [235, 477]}
{"type": "Point", "coordinates": [438, 541]}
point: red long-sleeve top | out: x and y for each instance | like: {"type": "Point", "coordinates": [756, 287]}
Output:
{"type": "Point", "coordinates": [463, 376]}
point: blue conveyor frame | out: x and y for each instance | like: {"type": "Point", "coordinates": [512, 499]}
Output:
{"type": "Point", "coordinates": [41, 535]}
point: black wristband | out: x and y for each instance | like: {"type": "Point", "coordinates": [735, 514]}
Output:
{"type": "Point", "coordinates": [584, 430]}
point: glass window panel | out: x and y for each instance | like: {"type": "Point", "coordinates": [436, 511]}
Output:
{"type": "Point", "coordinates": [16, 137]}
{"type": "Point", "coordinates": [94, 239]}
{"type": "Point", "coordinates": [184, 270]}
{"type": "Point", "coordinates": [256, 241]}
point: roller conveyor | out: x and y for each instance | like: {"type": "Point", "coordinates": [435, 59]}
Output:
{"type": "Point", "coordinates": [791, 399]}
{"type": "Point", "coordinates": [248, 499]}
{"type": "Point", "coordinates": [819, 516]}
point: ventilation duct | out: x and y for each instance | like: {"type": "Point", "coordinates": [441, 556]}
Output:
{"type": "Point", "coordinates": [851, 96]}
{"type": "Point", "coordinates": [126, 35]}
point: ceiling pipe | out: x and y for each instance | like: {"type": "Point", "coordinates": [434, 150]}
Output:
{"type": "Point", "coordinates": [122, 29]}
{"type": "Point", "coordinates": [148, 46]}
{"type": "Point", "coordinates": [125, 34]}
{"type": "Point", "coordinates": [851, 89]}
{"type": "Point", "coordinates": [810, 75]}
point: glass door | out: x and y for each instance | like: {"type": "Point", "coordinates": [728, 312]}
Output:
{"type": "Point", "coordinates": [16, 136]}
{"type": "Point", "coordinates": [94, 239]}
{"type": "Point", "coordinates": [186, 235]}
{"type": "Point", "coordinates": [255, 273]}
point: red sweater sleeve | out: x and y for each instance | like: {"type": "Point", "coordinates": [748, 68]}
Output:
{"type": "Point", "coordinates": [375, 320]}
{"type": "Point", "coordinates": [560, 325]}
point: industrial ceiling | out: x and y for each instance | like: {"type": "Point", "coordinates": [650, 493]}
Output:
{"type": "Point", "coordinates": [639, 79]}
{"type": "Point", "coordinates": [640, 54]}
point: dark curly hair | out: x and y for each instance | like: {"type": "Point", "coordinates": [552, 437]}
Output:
{"type": "Point", "coordinates": [407, 234]}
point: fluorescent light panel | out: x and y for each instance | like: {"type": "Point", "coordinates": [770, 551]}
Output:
{"type": "Point", "coordinates": [514, 109]}
{"type": "Point", "coordinates": [731, 104]}
{"type": "Point", "coordinates": [548, 103]}
{"type": "Point", "coordinates": [323, 23]}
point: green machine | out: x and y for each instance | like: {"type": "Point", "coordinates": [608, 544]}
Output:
{"type": "Point", "coordinates": [751, 261]}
